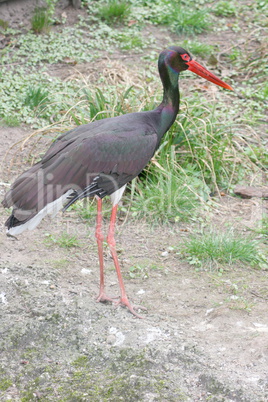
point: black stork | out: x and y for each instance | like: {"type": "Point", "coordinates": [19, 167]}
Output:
{"type": "Point", "coordinates": [99, 159]}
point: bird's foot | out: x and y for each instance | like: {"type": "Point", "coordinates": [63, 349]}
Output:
{"type": "Point", "coordinates": [125, 302]}
{"type": "Point", "coordinates": [104, 298]}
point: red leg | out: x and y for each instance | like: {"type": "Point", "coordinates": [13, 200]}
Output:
{"type": "Point", "coordinates": [99, 236]}
{"type": "Point", "coordinates": [111, 241]}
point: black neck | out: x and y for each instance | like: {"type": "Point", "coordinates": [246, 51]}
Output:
{"type": "Point", "coordinates": [169, 106]}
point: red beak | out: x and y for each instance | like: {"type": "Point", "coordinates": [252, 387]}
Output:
{"type": "Point", "coordinates": [203, 72]}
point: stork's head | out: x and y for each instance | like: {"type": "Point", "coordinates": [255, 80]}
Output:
{"type": "Point", "coordinates": [178, 60]}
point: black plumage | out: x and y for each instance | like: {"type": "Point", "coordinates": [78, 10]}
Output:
{"type": "Point", "coordinates": [93, 159]}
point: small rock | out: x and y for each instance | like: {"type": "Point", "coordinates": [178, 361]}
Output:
{"type": "Point", "coordinates": [3, 298]}
{"type": "Point", "coordinates": [140, 292]}
{"type": "Point", "coordinates": [250, 191]}
{"type": "Point", "coordinates": [85, 271]}
{"type": "Point", "coordinates": [234, 297]}
{"type": "Point", "coordinates": [209, 311]}
{"type": "Point", "coordinates": [164, 254]}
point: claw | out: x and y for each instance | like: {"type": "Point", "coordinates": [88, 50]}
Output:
{"type": "Point", "coordinates": [104, 298]}
{"type": "Point", "coordinates": [123, 301]}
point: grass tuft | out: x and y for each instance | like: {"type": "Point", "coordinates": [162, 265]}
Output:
{"type": "Point", "coordinates": [10, 121]}
{"type": "Point", "coordinates": [3, 24]}
{"type": "Point", "coordinates": [163, 193]}
{"type": "Point", "coordinates": [40, 20]}
{"type": "Point", "coordinates": [225, 9]}
{"type": "Point", "coordinates": [198, 48]}
{"type": "Point", "coordinates": [204, 148]}
{"type": "Point", "coordinates": [191, 22]}
{"type": "Point", "coordinates": [36, 97]}
{"type": "Point", "coordinates": [183, 19]}
{"type": "Point", "coordinates": [213, 249]}
{"type": "Point", "coordinates": [114, 11]}
{"type": "Point", "coordinates": [65, 240]}
{"type": "Point", "coordinates": [263, 227]}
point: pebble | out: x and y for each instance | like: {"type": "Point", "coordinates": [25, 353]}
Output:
{"type": "Point", "coordinates": [86, 271]}
{"type": "Point", "coordinates": [140, 292]}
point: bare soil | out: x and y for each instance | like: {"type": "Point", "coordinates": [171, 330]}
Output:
{"type": "Point", "coordinates": [204, 337]}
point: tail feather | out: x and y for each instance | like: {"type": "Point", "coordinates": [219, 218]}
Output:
{"type": "Point", "coordinates": [16, 226]}
{"type": "Point", "coordinates": [32, 199]}
{"type": "Point", "coordinates": [21, 187]}
{"type": "Point", "coordinates": [49, 186]}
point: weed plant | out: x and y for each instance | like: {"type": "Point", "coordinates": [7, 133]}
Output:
{"type": "Point", "coordinates": [65, 240]}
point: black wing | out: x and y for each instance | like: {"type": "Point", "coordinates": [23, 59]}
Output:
{"type": "Point", "coordinates": [97, 158]}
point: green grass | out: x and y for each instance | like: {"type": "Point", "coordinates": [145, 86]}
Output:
{"type": "Point", "coordinates": [10, 121]}
{"type": "Point", "coordinates": [138, 271]}
{"type": "Point", "coordinates": [143, 270]}
{"type": "Point", "coordinates": [225, 9]}
{"type": "Point", "coordinates": [203, 145]}
{"type": "Point", "coordinates": [205, 152]}
{"type": "Point", "coordinates": [131, 40]}
{"type": "Point", "coordinates": [97, 104]}
{"type": "Point", "coordinates": [198, 48]}
{"type": "Point", "coordinates": [36, 97]}
{"type": "Point", "coordinates": [86, 209]}
{"type": "Point", "coordinates": [3, 24]}
{"type": "Point", "coordinates": [40, 20]}
{"type": "Point", "coordinates": [164, 194]}
{"type": "Point", "coordinates": [114, 11]}
{"type": "Point", "coordinates": [5, 383]}
{"type": "Point", "coordinates": [214, 249]}
{"type": "Point", "coordinates": [182, 18]}
{"type": "Point", "coordinates": [65, 240]}
{"type": "Point", "coordinates": [258, 155]}
{"type": "Point", "coordinates": [43, 17]}
{"type": "Point", "coordinates": [263, 227]}
{"type": "Point", "coordinates": [203, 149]}
{"type": "Point", "coordinates": [191, 22]}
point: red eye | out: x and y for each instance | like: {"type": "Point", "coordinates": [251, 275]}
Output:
{"type": "Point", "coordinates": [185, 57]}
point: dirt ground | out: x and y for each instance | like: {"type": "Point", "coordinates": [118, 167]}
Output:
{"type": "Point", "coordinates": [204, 337]}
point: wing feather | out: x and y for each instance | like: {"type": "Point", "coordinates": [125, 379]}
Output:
{"type": "Point", "coordinates": [97, 158]}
